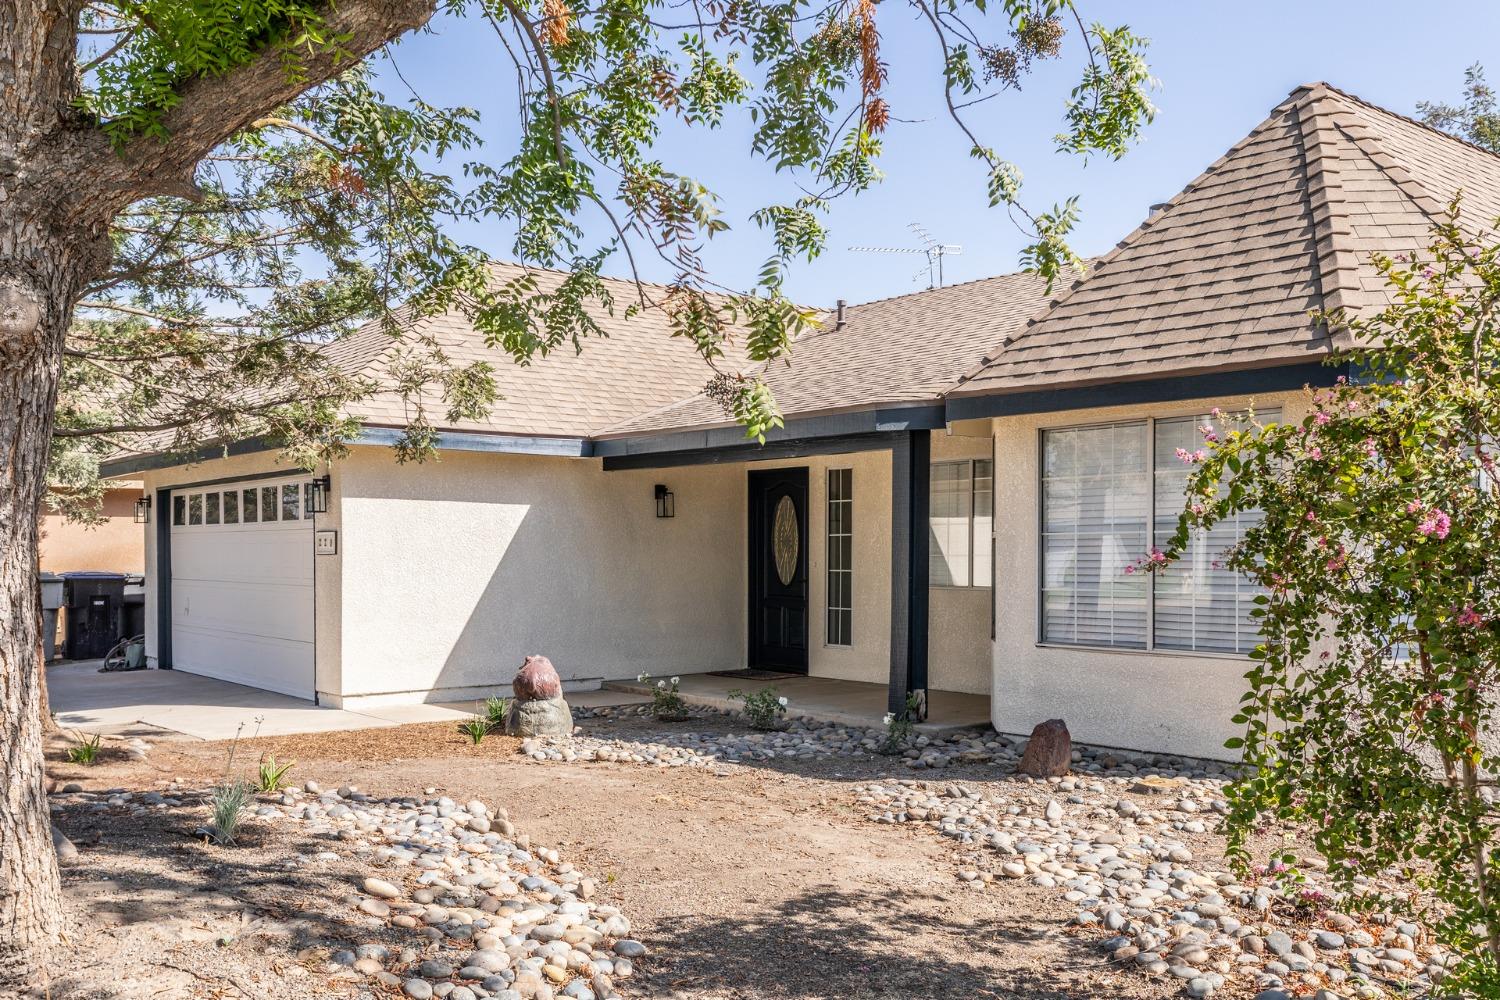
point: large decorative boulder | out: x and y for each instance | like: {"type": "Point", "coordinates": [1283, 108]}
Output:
{"type": "Point", "coordinates": [539, 708]}
{"type": "Point", "coordinates": [537, 680]}
{"type": "Point", "coordinates": [1049, 753]}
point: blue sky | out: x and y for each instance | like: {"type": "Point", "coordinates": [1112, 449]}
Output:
{"type": "Point", "coordinates": [1222, 66]}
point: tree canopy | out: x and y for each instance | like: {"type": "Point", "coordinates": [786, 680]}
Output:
{"type": "Point", "coordinates": [334, 208]}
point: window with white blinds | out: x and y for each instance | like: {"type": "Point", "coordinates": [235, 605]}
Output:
{"type": "Point", "coordinates": [1110, 493]}
{"type": "Point", "coordinates": [1198, 603]}
{"type": "Point", "coordinates": [1095, 513]}
{"type": "Point", "coordinates": [961, 523]}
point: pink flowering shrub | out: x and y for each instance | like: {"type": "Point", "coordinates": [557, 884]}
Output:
{"type": "Point", "coordinates": [1372, 700]}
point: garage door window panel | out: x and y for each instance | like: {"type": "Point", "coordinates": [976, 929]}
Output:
{"type": "Point", "coordinates": [195, 509]}
{"type": "Point", "coordinates": [268, 503]}
{"type": "Point", "coordinates": [249, 506]}
{"type": "Point", "coordinates": [179, 511]}
{"type": "Point", "coordinates": [290, 501]}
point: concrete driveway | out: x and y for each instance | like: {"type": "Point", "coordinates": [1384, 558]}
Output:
{"type": "Point", "coordinates": [151, 702]}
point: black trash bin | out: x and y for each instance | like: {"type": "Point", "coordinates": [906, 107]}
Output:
{"type": "Point", "coordinates": [95, 603]}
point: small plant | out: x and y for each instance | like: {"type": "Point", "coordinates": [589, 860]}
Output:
{"type": "Point", "coordinates": [228, 808]}
{"type": "Point", "coordinates": [476, 729]}
{"type": "Point", "coordinates": [898, 726]}
{"type": "Point", "coordinates": [764, 708]}
{"type": "Point", "coordinates": [84, 751]}
{"type": "Point", "coordinates": [666, 702]}
{"type": "Point", "coordinates": [271, 776]}
{"type": "Point", "coordinates": [496, 711]}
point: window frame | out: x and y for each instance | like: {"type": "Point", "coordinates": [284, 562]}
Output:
{"type": "Point", "coordinates": [989, 540]}
{"type": "Point", "coordinates": [1149, 422]}
{"type": "Point", "coordinates": [828, 568]}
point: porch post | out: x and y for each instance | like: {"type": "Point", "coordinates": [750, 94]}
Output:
{"type": "Point", "coordinates": [911, 469]}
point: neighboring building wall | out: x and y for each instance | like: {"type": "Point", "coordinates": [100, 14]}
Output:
{"type": "Point", "coordinates": [456, 569]}
{"type": "Point", "coordinates": [1157, 701]}
{"type": "Point", "coordinates": [114, 546]}
{"type": "Point", "coordinates": [326, 576]}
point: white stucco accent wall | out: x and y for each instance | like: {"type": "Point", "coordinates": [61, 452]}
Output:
{"type": "Point", "coordinates": [1159, 701]}
{"type": "Point", "coordinates": [455, 570]}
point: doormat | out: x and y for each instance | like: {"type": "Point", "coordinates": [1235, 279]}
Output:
{"type": "Point", "coordinates": [753, 674]}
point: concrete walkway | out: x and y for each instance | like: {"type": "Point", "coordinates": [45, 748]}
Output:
{"type": "Point", "coordinates": [171, 701]}
{"type": "Point", "coordinates": [848, 703]}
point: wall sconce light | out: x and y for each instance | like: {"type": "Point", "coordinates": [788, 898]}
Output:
{"type": "Point", "coordinates": [316, 499]}
{"type": "Point", "coordinates": [666, 503]}
{"type": "Point", "coordinates": [143, 510]}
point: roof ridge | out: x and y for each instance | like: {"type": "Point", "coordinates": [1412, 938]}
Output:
{"type": "Point", "coordinates": [1129, 240]}
{"type": "Point", "coordinates": [1425, 126]}
{"type": "Point", "coordinates": [1337, 263]}
{"type": "Point", "coordinates": [942, 288]}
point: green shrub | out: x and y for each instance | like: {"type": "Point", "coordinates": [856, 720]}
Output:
{"type": "Point", "coordinates": [763, 708]}
{"type": "Point", "coordinates": [84, 751]}
{"type": "Point", "coordinates": [496, 711]}
{"type": "Point", "coordinates": [666, 702]}
{"type": "Point", "coordinates": [228, 807]}
{"type": "Point", "coordinates": [476, 729]}
{"type": "Point", "coordinates": [898, 726]}
{"type": "Point", "coordinates": [271, 776]}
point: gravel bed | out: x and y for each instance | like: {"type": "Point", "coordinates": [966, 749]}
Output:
{"type": "Point", "coordinates": [486, 914]}
{"type": "Point", "coordinates": [1121, 849]}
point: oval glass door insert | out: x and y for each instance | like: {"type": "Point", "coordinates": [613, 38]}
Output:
{"type": "Point", "coordinates": [784, 541]}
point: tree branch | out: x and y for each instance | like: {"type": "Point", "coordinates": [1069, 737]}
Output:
{"type": "Point", "coordinates": [210, 109]}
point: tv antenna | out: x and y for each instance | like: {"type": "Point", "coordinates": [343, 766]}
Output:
{"type": "Point", "coordinates": [931, 248]}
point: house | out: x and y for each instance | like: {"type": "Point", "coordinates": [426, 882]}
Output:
{"type": "Point", "coordinates": [963, 476]}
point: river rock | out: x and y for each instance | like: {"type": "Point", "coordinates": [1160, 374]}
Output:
{"type": "Point", "coordinates": [1049, 753]}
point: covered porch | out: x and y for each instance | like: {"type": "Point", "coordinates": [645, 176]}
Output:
{"type": "Point", "coordinates": [850, 620]}
{"type": "Point", "coordinates": [828, 699]}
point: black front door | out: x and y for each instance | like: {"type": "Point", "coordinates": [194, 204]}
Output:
{"type": "Point", "coordinates": [778, 569]}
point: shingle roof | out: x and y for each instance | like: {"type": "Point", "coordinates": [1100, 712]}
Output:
{"type": "Point", "coordinates": [1225, 275]}
{"type": "Point", "coordinates": [892, 351]}
{"type": "Point", "coordinates": [637, 367]}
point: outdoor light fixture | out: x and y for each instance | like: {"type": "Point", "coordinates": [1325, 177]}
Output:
{"type": "Point", "coordinates": [666, 503]}
{"type": "Point", "coordinates": [143, 510]}
{"type": "Point", "coordinates": [315, 500]}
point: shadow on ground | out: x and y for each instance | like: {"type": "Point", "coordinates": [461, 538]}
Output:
{"type": "Point", "coordinates": [831, 943]}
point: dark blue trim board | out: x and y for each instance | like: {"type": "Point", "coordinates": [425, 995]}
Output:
{"type": "Point", "coordinates": [1207, 385]}
{"type": "Point", "coordinates": [163, 507]}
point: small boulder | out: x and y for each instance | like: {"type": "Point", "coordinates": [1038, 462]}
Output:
{"type": "Point", "coordinates": [537, 680]}
{"type": "Point", "coordinates": [550, 717]}
{"type": "Point", "coordinates": [1049, 752]}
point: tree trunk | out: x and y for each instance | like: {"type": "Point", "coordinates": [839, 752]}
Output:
{"type": "Point", "coordinates": [40, 277]}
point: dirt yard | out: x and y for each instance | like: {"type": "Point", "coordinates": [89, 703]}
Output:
{"type": "Point", "coordinates": [746, 882]}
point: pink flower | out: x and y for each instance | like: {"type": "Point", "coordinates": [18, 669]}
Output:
{"type": "Point", "coordinates": [1435, 524]}
{"type": "Point", "coordinates": [1469, 617]}
{"type": "Point", "coordinates": [1158, 556]}
{"type": "Point", "coordinates": [1315, 453]}
{"type": "Point", "coordinates": [1414, 506]}
{"type": "Point", "coordinates": [1209, 434]}
{"type": "Point", "coordinates": [1191, 456]}
{"type": "Point", "coordinates": [1369, 447]}
{"type": "Point", "coordinates": [1130, 570]}
{"type": "Point", "coordinates": [1320, 418]}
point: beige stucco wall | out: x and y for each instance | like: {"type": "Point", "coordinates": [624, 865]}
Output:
{"type": "Point", "coordinates": [455, 570]}
{"type": "Point", "coordinates": [114, 546]}
{"type": "Point", "coordinates": [1160, 701]}
{"type": "Point", "coordinates": [326, 569]}
{"type": "Point", "coordinates": [958, 646]}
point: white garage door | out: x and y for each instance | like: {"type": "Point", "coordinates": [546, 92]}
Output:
{"type": "Point", "coordinates": [242, 584]}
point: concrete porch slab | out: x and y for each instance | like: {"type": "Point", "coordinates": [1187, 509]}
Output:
{"type": "Point", "coordinates": [825, 699]}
